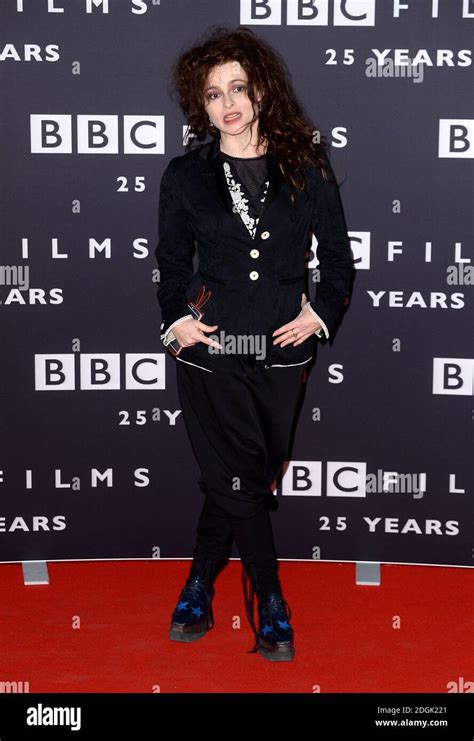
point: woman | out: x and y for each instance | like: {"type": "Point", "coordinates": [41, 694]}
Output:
{"type": "Point", "coordinates": [248, 200]}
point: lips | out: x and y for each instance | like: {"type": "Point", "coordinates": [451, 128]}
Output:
{"type": "Point", "coordinates": [231, 117]}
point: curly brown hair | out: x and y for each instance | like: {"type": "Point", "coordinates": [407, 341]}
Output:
{"type": "Point", "coordinates": [281, 119]}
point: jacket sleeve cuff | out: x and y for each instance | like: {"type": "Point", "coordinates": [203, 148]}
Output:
{"type": "Point", "coordinates": [168, 336]}
{"type": "Point", "coordinates": [319, 332]}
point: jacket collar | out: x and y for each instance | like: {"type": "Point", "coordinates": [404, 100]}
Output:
{"type": "Point", "coordinates": [210, 150]}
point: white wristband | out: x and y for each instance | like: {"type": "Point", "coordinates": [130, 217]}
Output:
{"type": "Point", "coordinates": [168, 336]}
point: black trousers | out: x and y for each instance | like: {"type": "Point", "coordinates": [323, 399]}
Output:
{"type": "Point", "coordinates": [239, 421]}
{"type": "Point", "coordinates": [216, 532]}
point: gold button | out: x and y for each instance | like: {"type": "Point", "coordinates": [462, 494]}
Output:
{"type": "Point", "coordinates": [253, 275]}
{"type": "Point", "coordinates": [265, 235]}
{"type": "Point", "coordinates": [254, 253]}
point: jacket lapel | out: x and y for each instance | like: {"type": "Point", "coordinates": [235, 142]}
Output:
{"type": "Point", "coordinates": [214, 178]}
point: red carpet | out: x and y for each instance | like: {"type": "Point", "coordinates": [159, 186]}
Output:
{"type": "Point", "coordinates": [103, 627]}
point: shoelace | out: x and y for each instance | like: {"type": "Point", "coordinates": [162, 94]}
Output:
{"type": "Point", "coordinates": [275, 603]}
{"type": "Point", "coordinates": [195, 589]}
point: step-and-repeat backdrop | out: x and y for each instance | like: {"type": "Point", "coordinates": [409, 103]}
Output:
{"type": "Point", "coordinates": [95, 460]}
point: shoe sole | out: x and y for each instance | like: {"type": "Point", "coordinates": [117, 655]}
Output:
{"type": "Point", "coordinates": [282, 653]}
{"type": "Point", "coordinates": [178, 634]}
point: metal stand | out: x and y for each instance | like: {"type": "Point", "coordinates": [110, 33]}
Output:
{"type": "Point", "coordinates": [368, 573]}
{"type": "Point", "coordinates": [35, 572]}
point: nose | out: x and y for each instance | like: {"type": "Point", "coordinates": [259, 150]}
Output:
{"type": "Point", "coordinates": [228, 101]}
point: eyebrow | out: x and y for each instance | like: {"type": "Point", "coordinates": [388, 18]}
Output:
{"type": "Point", "coordinates": [229, 83]}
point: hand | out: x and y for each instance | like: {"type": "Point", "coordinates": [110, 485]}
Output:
{"type": "Point", "coordinates": [304, 325]}
{"type": "Point", "coordinates": [190, 332]}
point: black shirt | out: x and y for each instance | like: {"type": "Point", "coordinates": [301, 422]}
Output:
{"type": "Point", "coordinates": [247, 180]}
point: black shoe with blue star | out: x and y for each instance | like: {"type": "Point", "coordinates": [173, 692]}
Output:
{"type": "Point", "coordinates": [275, 634]}
{"type": "Point", "coordinates": [193, 616]}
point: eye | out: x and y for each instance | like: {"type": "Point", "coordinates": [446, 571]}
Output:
{"type": "Point", "coordinates": [238, 88]}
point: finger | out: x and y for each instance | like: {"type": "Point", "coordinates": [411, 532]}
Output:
{"type": "Point", "coordinates": [284, 339]}
{"type": "Point", "coordinates": [211, 343]}
{"type": "Point", "coordinates": [207, 341]}
{"type": "Point", "coordinates": [302, 339]}
{"type": "Point", "coordinates": [289, 338]}
{"type": "Point", "coordinates": [206, 327]}
{"type": "Point", "coordinates": [284, 328]}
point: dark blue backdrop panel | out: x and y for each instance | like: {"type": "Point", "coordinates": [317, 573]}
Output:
{"type": "Point", "coordinates": [96, 462]}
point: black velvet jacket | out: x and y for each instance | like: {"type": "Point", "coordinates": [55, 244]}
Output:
{"type": "Point", "coordinates": [255, 283]}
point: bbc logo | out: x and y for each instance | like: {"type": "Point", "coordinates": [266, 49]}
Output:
{"type": "Point", "coordinates": [96, 134]}
{"type": "Point", "coordinates": [307, 12]}
{"type": "Point", "coordinates": [100, 372]}
{"type": "Point", "coordinates": [343, 479]}
{"type": "Point", "coordinates": [360, 246]}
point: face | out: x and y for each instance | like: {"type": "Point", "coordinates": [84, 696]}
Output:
{"type": "Point", "coordinates": [225, 98]}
